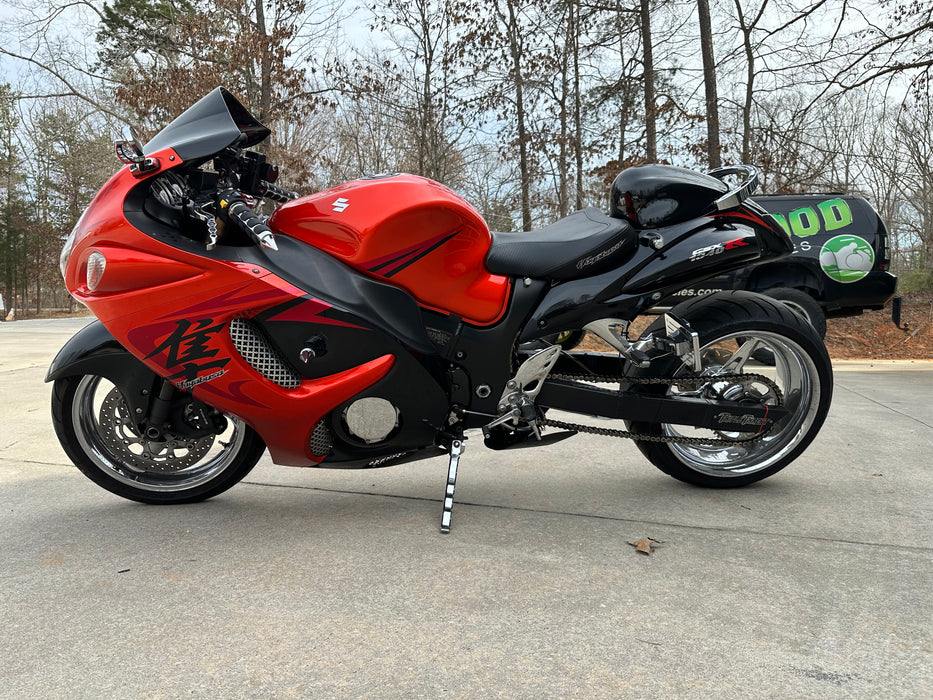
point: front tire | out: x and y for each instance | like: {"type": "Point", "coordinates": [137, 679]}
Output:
{"type": "Point", "coordinates": [734, 327]}
{"type": "Point", "coordinates": [95, 429]}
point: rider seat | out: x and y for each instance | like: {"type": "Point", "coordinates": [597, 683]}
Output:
{"type": "Point", "coordinates": [582, 244]}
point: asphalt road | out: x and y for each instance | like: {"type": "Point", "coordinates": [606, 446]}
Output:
{"type": "Point", "coordinates": [816, 583]}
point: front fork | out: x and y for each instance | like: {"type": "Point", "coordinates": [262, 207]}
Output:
{"type": "Point", "coordinates": [158, 414]}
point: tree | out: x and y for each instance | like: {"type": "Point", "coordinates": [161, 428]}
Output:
{"type": "Point", "coordinates": [188, 47]}
{"type": "Point", "coordinates": [900, 45]}
{"type": "Point", "coordinates": [499, 46]}
{"type": "Point", "coordinates": [73, 159]}
{"type": "Point", "coordinates": [429, 82]}
{"type": "Point", "coordinates": [13, 218]}
{"type": "Point", "coordinates": [709, 82]}
{"type": "Point", "coordinates": [915, 136]}
{"type": "Point", "coordinates": [651, 138]}
{"type": "Point", "coordinates": [615, 97]}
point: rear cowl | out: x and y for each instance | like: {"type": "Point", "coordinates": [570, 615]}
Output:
{"type": "Point", "coordinates": [409, 231]}
{"type": "Point", "coordinates": [652, 196]}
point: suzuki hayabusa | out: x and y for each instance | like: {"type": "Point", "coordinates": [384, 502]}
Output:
{"type": "Point", "coordinates": [380, 322]}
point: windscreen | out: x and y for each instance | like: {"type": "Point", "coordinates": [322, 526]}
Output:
{"type": "Point", "coordinates": [208, 126]}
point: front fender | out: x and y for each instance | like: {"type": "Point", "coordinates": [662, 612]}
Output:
{"type": "Point", "coordinates": [93, 350]}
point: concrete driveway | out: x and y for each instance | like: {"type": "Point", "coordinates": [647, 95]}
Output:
{"type": "Point", "coordinates": [816, 583]}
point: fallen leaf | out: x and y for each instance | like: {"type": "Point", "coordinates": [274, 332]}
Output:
{"type": "Point", "coordinates": [644, 544]}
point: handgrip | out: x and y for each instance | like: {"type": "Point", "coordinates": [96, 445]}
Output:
{"type": "Point", "coordinates": [274, 192]}
{"type": "Point", "coordinates": [237, 211]}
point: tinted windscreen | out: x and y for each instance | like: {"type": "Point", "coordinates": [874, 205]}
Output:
{"type": "Point", "coordinates": [211, 124]}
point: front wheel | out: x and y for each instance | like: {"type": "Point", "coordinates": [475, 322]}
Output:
{"type": "Point", "coordinates": [97, 432]}
{"type": "Point", "coordinates": [734, 327]}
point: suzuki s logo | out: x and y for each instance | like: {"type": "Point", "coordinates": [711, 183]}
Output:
{"type": "Point", "coordinates": [340, 204]}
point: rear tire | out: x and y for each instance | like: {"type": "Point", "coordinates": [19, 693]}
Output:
{"type": "Point", "coordinates": [94, 428]}
{"type": "Point", "coordinates": [733, 325]}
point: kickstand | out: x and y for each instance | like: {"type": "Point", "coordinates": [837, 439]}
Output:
{"type": "Point", "coordinates": [456, 449]}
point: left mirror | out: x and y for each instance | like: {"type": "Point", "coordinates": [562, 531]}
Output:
{"type": "Point", "coordinates": [129, 150]}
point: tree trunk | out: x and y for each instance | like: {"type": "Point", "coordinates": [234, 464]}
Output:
{"type": "Point", "coordinates": [746, 29]}
{"type": "Point", "coordinates": [265, 65]}
{"type": "Point", "coordinates": [563, 158]}
{"type": "Point", "coordinates": [515, 48]}
{"type": "Point", "coordinates": [709, 80]}
{"type": "Point", "coordinates": [651, 138]}
{"type": "Point", "coordinates": [577, 117]}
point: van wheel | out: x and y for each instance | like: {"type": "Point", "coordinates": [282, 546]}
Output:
{"type": "Point", "coordinates": [802, 304]}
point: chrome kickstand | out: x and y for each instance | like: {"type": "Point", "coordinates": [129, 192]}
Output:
{"type": "Point", "coordinates": [456, 449]}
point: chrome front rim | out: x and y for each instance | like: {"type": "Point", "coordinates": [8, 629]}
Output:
{"type": "Point", "coordinates": [110, 438]}
{"type": "Point", "coordinates": [795, 374]}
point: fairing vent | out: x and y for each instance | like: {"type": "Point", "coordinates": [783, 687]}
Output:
{"type": "Point", "coordinates": [260, 355]}
{"type": "Point", "coordinates": [322, 440]}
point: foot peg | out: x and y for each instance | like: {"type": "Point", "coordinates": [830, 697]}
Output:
{"type": "Point", "coordinates": [456, 449]}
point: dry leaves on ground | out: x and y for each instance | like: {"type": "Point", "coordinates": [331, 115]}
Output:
{"type": "Point", "coordinates": [644, 545]}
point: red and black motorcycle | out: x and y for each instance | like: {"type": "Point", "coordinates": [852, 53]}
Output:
{"type": "Point", "coordinates": [378, 321]}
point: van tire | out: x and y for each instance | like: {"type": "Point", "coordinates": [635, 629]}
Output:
{"type": "Point", "coordinates": [802, 304]}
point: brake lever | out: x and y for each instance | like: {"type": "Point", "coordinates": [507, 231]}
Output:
{"type": "Point", "coordinates": [199, 213]}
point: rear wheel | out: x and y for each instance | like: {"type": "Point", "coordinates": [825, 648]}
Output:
{"type": "Point", "coordinates": [733, 328]}
{"type": "Point", "coordinates": [97, 432]}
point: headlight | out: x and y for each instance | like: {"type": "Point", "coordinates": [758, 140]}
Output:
{"type": "Point", "coordinates": [66, 250]}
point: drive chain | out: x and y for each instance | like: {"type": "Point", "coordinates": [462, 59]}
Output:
{"type": "Point", "coordinates": [695, 380]}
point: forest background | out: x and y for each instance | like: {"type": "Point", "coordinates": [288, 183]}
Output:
{"type": "Point", "coordinates": [528, 108]}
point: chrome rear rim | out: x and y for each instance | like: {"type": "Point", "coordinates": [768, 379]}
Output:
{"type": "Point", "coordinates": [795, 374]}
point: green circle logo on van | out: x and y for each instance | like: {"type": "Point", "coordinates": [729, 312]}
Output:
{"type": "Point", "coordinates": [846, 258]}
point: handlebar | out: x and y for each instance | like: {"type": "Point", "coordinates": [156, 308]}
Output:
{"type": "Point", "coordinates": [233, 207]}
{"type": "Point", "coordinates": [279, 194]}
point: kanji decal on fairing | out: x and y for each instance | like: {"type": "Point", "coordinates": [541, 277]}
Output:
{"type": "Point", "coordinates": [186, 347]}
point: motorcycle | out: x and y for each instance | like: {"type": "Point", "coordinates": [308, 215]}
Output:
{"type": "Point", "coordinates": [379, 321]}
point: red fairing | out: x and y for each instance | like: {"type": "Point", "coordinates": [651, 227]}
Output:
{"type": "Point", "coordinates": [410, 231]}
{"type": "Point", "coordinates": [172, 310]}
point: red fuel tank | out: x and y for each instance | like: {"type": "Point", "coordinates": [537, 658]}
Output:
{"type": "Point", "coordinates": [409, 231]}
